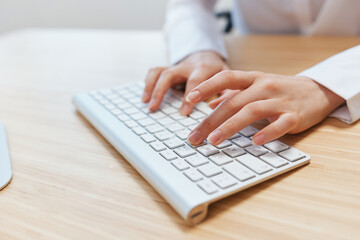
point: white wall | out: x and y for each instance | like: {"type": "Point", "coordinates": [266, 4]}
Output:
{"type": "Point", "coordinates": [119, 14]}
{"type": "Point", "coordinates": [124, 14]}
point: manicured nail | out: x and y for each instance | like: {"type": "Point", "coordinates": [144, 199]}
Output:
{"type": "Point", "coordinates": [193, 96]}
{"type": "Point", "coordinates": [259, 139]}
{"type": "Point", "coordinates": [194, 137]}
{"type": "Point", "coordinates": [152, 104]}
{"type": "Point", "coordinates": [215, 136]}
{"type": "Point", "coordinates": [185, 109]}
{"type": "Point", "coordinates": [145, 96]}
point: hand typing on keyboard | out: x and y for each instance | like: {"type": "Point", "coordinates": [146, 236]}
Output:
{"type": "Point", "coordinates": [193, 70]}
{"type": "Point", "coordinates": [291, 103]}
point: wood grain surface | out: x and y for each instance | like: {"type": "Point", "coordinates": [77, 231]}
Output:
{"type": "Point", "coordinates": [70, 183]}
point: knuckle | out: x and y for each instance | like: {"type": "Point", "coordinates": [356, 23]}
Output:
{"type": "Point", "coordinates": [168, 73]}
{"type": "Point", "coordinates": [257, 74]}
{"type": "Point", "coordinates": [292, 120]}
{"type": "Point", "coordinates": [203, 65]}
{"type": "Point", "coordinates": [269, 84]}
{"type": "Point", "coordinates": [228, 104]}
{"type": "Point", "coordinates": [253, 109]}
{"type": "Point", "coordinates": [226, 74]}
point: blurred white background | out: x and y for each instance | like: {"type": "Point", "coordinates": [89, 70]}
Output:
{"type": "Point", "coordinates": [111, 14]}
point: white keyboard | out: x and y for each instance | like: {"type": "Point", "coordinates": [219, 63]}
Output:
{"type": "Point", "coordinates": [188, 177]}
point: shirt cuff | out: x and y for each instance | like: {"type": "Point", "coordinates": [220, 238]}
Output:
{"type": "Point", "coordinates": [341, 74]}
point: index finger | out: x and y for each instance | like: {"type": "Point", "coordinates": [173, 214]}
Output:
{"type": "Point", "coordinates": [224, 80]}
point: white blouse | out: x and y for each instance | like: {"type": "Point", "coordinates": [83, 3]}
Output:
{"type": "Point", "coordinates": [191, 26]}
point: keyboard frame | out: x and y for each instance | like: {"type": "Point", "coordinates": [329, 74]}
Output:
{"type": "Point", "coordinates": [184, 195]}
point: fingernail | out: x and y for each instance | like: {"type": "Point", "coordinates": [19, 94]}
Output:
{"type": "Point", "coordinates": [193, 96]}
{"type": "Point", "coordinates": [152, 103]}
{"type": "Point", "coordinates": [215, 136]}
{"type": "Point", "coordinates": [194, 137]}
{"type": "Point", "coordinates": [259, 139]}
{"type": "Point", "coordinates": [145, 96]}
{"type": "Point", "coordinates": [185, 110]}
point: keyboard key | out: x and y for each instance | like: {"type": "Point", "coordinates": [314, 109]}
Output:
{"type": "Point", "coordinates": [117, 101]}
{"type": "Point", "coordinates": [197, 160]}
{"type": "Point", "coordinates": [183, 134]}
{"type": "Point", "coordinates": [166, 121]}
{"type": "Point", "coordinates": [208, 187]}
{"type": "Point", "coordinates": [168, 110]}
{"type": "Point", "coordinates": [203, 107]}
{"type": "Point", "coordinates": [116, 111]}
{"type": "Point", "coordinates": [139, 130]}
{"type": "Point", "coordinates": [148, 138]}
{"type": "Point", "coordinates": [174, 143]}
{"type": "Point", "coordinates": [238, 171]}
{"type": "Point", "coordinates": [220, 159]}
{"type": "Point", "coordinates": [131, 123]}
{"type": "Point", "coordinates": [155, 128]}
{"type": "Point", "coordinates": [242, 141]}
{"type": "Point", "coordinates": [157, 115]}
{"type": "Point", "coordinates": [207, 150]}
{"type": "Point", "coordinates": [193, 175]}
{"type": "Point", "coordinates": [256, 150]}
{"type": "Point", "coordinates": [163, 135]}
{"type": "Point", "coordinates": [110, 106]}
{"type": "Point", "coordinates": [157, 146]}
{"type": "Point", "coordinates": [135, 100]}
{"type": "Point", "coordinates": [209, 170]}
{"type": "Point", "coordinates": [292, 154]}
{"type": "Point", "coordinates": [168, 155]}
{"type": "Point", "coordinates": [192, 127]}
{"type": "Point", "coordinates": [185, 151]}
{"type": "Point", "coordinates": [177, 116]}
{"type": "Point", "coordinates": [224, 180]}
{"type": "Point", "coordinates": [276, 146]}
{"type": "Point", "coordinates": [274, 160]}
{"type": "Point", "coordinates": [146, 122]}
{"type": "Point", "coordinates": [248, 131]}
{"type": "Point", "coordinates": [124, 105]}
{"type": "Point", "coordinates": [197, 114]}
{"type": "Point", "coordinates": [131, 110]}
{"type": "Point", "coordinates": [123, 117]}
{"type": "Point", "coordinates": [175, 127]}
{"type": "Point", "coordinates": [224, 144]}
{"type": "Point", "coordinates": [236, 135]}
{"type": "Point", "coordinates": [138, 116]}
{"type": "Point", "coordinates": [233, 151]}
{"type": "Point", "coordinates": [188, 121]}
{"type": "Point", "coordinates": [254, 163]}
{"type": "Point", "coordinates": [180, 164]}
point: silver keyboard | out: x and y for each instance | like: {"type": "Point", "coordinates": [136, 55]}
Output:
{"type": "Point", "coordinates": [189, 177]}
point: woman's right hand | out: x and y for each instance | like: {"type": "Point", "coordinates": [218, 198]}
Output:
{"type": "Point", "coordinates": [194, 69]}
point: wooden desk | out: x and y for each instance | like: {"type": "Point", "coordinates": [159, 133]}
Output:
{"type": "Point", "coordinates": [69, 183]}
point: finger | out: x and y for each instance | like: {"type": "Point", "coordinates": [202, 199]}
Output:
{"type": "Point", "coordinates": [197, 77]}
{"type": "Point", "coordinates": [223, 112]}
{"type": "Point", "coordinates": [251, 112]}
{"type": "Point", "coordinates": [221, 81]}
{"type": "Point", "coordinates": [227, 93]}
{"type": "Point", "coordinates": [150, 81]}
{"type": "Point", "coordinates": [167, 78]}
{"type": "Point", "coordinates": [284, 124]}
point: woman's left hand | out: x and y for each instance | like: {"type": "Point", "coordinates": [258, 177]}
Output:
{"type": "Point", "coordinates": [291, 103]}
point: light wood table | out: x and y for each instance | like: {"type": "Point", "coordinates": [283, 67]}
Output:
{"type": "Point", "coordinates": [69, 183]}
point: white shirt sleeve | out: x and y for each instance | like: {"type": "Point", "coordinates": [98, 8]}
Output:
{"type": "Point", "coordinates": [341, 74]}
{"type": "Point", "coordinates": [190, 27]}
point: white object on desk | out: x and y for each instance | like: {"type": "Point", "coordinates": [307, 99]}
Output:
{"type": "Point", "coordinates": [5, 166]}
